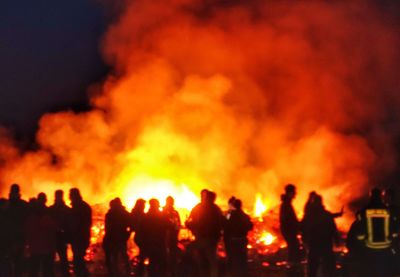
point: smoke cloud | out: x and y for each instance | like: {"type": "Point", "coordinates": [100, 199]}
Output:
{"type": "Point", "coordinates": [238, 96]}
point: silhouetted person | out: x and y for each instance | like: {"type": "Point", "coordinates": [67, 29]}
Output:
{"type": "Point", "coordinates": [81, 222]}
{"type": "Point", "coordinates": [310, 201]}
{"type": "Point", "coordinates": [320, 233]}
{"type": "Point", "coordinates": [61, 214]}
{"type": "Point", "coordinates": [205, 222]}
{"type": "Point", "coordinates": [117, 232]}
{"type": "Point", "coordinates": [5, 243]}
{"type": "Point", "coordinates": [42, 200]}
{"type": "Point", "coordinates": [155, 226]}
{"type": "Point", "coordinates": [172, 235]}
{"type": "Point", "coordinates": [394, 209]}
{"type": "Point", "coordinates": [370, 239]}
{"type": "Point", "coordinates": [356, 247]}
{"type": "Point", "coordinates": [226, 235]}
{"type": "Point", "coordinates": [236, 227]}
{"type": "Point", "coordinates": [17, 212]}
{"type": "Point", "coordinates": [310, 205]}
{"type": "Point", "coordinates": [41, 238]}
{"type": "Point", "coordinates": [137, 215]}
{"type": "Point", "coordinates": [231, 206]}
{"type": "Point", "coordinates": [289, 225]}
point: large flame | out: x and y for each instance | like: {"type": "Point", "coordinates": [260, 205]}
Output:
{"type": "Point", "coordinates": [238, 96]}
{"type": "Point", "coordinates": [259, 206]}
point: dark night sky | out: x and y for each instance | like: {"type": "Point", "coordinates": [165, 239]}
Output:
{"type": "Point", "coordinates": [49, 53]}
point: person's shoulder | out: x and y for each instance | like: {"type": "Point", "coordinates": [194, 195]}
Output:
{"type": "Point", "coordinates": [83, 207]}
{"type": "Point", "coordinates": [126, 213]}
{"type": "Point", "coordinates": [375, 206]}
{"type": "Point", "coordinates": [86, 205]}
{"type": "Point", "coordinates": [217, 208]}
{"type": "Point", "coordinates": [21, 203]}
{"type": "Point", "coordinates": [240, 214]}
{"type": "Point", "coordinates": [244, 214]}
{"type": "Point", "coordinates": [329, 216]}
{"type": "Point", "coordinates": [197, 208]}
{"type": "Point", "coordinates": [285, 206]}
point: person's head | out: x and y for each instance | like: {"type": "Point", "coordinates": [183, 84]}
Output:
{"type": "Point", "coordinates": [154, 204]}
{"type": "Point", "coordinates": [115, 203]}
{"type": "Point", "coordinates": [15, 192]}
{"type": "Point", "coordinates": [204, 195]}
{"type": "Point", "coordinates": [42, 199]}
{"type": "Point", "coordinates": [290, 191]}
{"type": "Point", "coordinates": [237, 204]}
{"type": "Point", "coordinates": [33, 204]}
{"type": "Point", "coordinates": [317, 202]}
{"type": "Point", "coordinates": [140, 205]}
{"type": "Point", "coordinates": [231, 202]}
{"type": "Point", "coordinates": [75, 195]}
{"type": "Point", "coordinates": [169, 202]}
{"type": "Point", "coordinates": [211, 197]}
{"type": "Point", "coordinates": [311, 196]}
{"type": "Point", "coordinates": [375, 195]}
{"type": "Point", "coordinates": [59, 196]}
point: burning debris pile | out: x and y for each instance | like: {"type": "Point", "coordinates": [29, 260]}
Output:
{"type": "Point", "coordinates": [264, 239]}
{"type": "Point", "coordinates": [266, 247]}
{"type": "Point", "coordinates": [267, 252]}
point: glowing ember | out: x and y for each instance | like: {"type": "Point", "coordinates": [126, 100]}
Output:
{"type": "Point", "coordinates": [97, 231]}
{"type": "Point", "coordinates": [267, 238]}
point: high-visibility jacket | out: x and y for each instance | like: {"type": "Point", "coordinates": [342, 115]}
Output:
{"type": "Point", "coordinates": [377, 228]}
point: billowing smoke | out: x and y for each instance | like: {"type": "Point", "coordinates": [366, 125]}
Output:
{"type": "Point", "coordinates": [238, 96]}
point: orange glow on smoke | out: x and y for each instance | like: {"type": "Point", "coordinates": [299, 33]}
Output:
{"type": "Point", "coordinates": [240, 98]}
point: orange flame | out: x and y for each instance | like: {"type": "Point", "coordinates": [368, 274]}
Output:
{"type": "Point", "coordinates": [206, 94]}
{"type": "Point", "coordinates": [259, 207]}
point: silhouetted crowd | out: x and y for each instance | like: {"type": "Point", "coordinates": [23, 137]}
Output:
{"type": "Point", "coordinates": [156, 235]}
{"type": "Point", "coordinates": [38, 231]}
{"type": "Point", "coordinates": [372, 241]}
{"type": "Point", "coordinates": [33, 234]}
